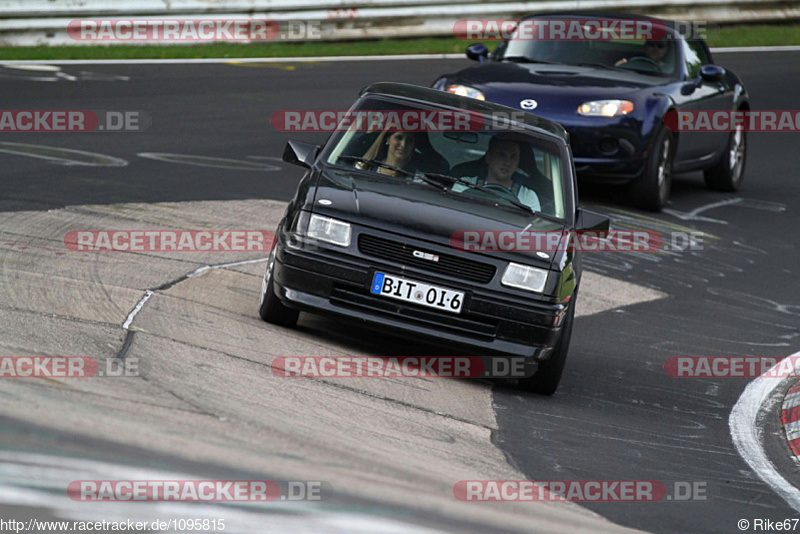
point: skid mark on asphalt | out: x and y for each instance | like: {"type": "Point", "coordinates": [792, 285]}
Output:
{"type": "Point", "coordinates": [205, 161]}
{"type": "Point", "coordinates": [680, 262]}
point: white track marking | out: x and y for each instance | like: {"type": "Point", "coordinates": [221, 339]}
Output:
{"type": "Point", "coordinates": [733, 49]}
{"type": "Point", "coordinates": [136, 310]}
{"type": "Point", "coordinates": [197, 271]}
{"type": "Point", "coordinates": [745, 431]}
{"type": "Point", "coordinates": [694, 215]}
{"type": "Point", "coordinates": [62, 156]}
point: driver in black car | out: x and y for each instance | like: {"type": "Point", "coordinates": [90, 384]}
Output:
{"type": "Point", "coordinates": [653, 50]}
{"type": "Point", "coordinates": [502, 161]}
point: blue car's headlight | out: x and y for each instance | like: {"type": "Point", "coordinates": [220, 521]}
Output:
{"type": "Point", "coordinates": [465, 90]}
{"type": "Point", "coordinates": [605, 108]}
{"type": "Point", "coordinates": [524, 277]}
{"type": "Point", "coordinates": [329, 230]}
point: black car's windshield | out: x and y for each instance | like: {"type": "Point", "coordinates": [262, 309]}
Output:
{"type": "Point", "coordinates": [467, 159]}
{"type": "Point", "coordinates": [655, 56]}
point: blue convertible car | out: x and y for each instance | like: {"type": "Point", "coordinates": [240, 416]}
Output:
{"type": "Point", "coordinates": [612, 96]}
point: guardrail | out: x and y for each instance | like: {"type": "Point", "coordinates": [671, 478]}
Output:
{"type": "Point", "coordinates": [44, 22]}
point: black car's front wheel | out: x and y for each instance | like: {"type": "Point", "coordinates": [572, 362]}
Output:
{"type": "Point", "coordinates": [271, 309]}
{"type": "Point", "coordinates": [728, 173]}
{"type": "Point", "coordinates": [651, 190]}
{"type": "Point", "coordinates": [548, 375]}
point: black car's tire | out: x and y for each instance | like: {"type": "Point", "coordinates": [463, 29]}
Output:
{"type": "Point", "coordinates": [548, 375]}
{"type": "Point", "coordinates": [728, 173]}
{"type": "Point", "coordinates": [651, 190]}
{"type": "Point", "coordinates": [271, 309]}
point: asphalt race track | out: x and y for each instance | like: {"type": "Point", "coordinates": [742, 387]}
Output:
{"type": "Point", "coordinates": [205, 403]}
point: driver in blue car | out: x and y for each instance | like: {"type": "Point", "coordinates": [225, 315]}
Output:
{"type": "Point", "coordinates": [653, 50]}
{"type": "Point", "coordinates": [502, 162]}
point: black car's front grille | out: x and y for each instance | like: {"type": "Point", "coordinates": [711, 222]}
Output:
{"type": "Point", "coordinates": [403, 253]}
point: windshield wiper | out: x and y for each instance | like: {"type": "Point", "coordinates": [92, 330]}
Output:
{"type": "Point", "coordinates": [597, 65]}
{"type": "Point", "coordinates": [453, 179]}
{"type": "Point", "coordinates": [376, 162]}
{"type": "Point", "coordinates": [409, 174]}
{"type": "Point", "coordinates": [523, 59]}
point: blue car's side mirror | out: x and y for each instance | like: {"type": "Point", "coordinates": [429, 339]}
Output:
{"type": "Point", "coordinates": [478, 52]}
{"type": "Point", "coordinates": [712, 73]}
{"type": "Point", "coordinates": [708, 73]}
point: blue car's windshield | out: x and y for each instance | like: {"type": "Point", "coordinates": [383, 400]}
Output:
{"type": "Point", "coordinates": [656, 57]}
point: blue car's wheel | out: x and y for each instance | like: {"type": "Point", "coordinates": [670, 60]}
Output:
{"type": "Point", "coordinates": [728, 173]}
{"type": "Point", "coordinates": [651, 190]}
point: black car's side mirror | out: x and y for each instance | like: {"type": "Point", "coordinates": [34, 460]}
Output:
{"type": "Point", "coordinates": [299, 153]}
{"type": "Point", "coordinates": [591, 221]}
{"type": "Point", "coordinates": [478, 52]}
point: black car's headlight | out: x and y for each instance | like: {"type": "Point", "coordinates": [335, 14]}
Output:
{"type": "Point", "coordinates": [605, 108]}
{"type": "Point", "coordinates": [524, 277]}
{"type": "Point", "coordinates": [465, 90]}
{"type": "Point", "coordinates": [329, 230]}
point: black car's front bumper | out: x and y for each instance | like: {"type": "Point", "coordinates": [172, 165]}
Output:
{"type": "Point", "coordinates": [325, 280]}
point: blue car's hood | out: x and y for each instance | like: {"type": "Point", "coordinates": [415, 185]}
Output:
{"type": "Point", "coordinates": [556, 88]}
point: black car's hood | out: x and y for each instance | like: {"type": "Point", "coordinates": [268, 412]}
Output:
{"type": "Point", "coordinates": [420, 210]}
{"type": "Point", "coordinates": [554, 87]}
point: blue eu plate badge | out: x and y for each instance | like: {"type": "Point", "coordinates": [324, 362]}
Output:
{"type": "Point", "coordinates": [377, 283]}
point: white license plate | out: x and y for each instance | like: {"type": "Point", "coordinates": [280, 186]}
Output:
{"type": "Point", "coordinates": [417, 292]}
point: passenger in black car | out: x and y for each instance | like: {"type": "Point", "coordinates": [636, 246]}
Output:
{"type": "Point", "coordinates": [395, 149]}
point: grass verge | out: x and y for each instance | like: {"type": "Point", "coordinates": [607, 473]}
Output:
{"type": "Point", "coordinates": [756, 35]}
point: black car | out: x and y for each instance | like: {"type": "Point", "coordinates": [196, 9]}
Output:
{"type": "Point", "coordinates": [612, 96]}
{"type": "Point", "coordinates": [366, 240]}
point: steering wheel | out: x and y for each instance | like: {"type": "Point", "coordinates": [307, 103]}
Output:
{"type": "Point", "coordinates": [645, 60]}
{"type": "Point", "coordinates": [497, 188]}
